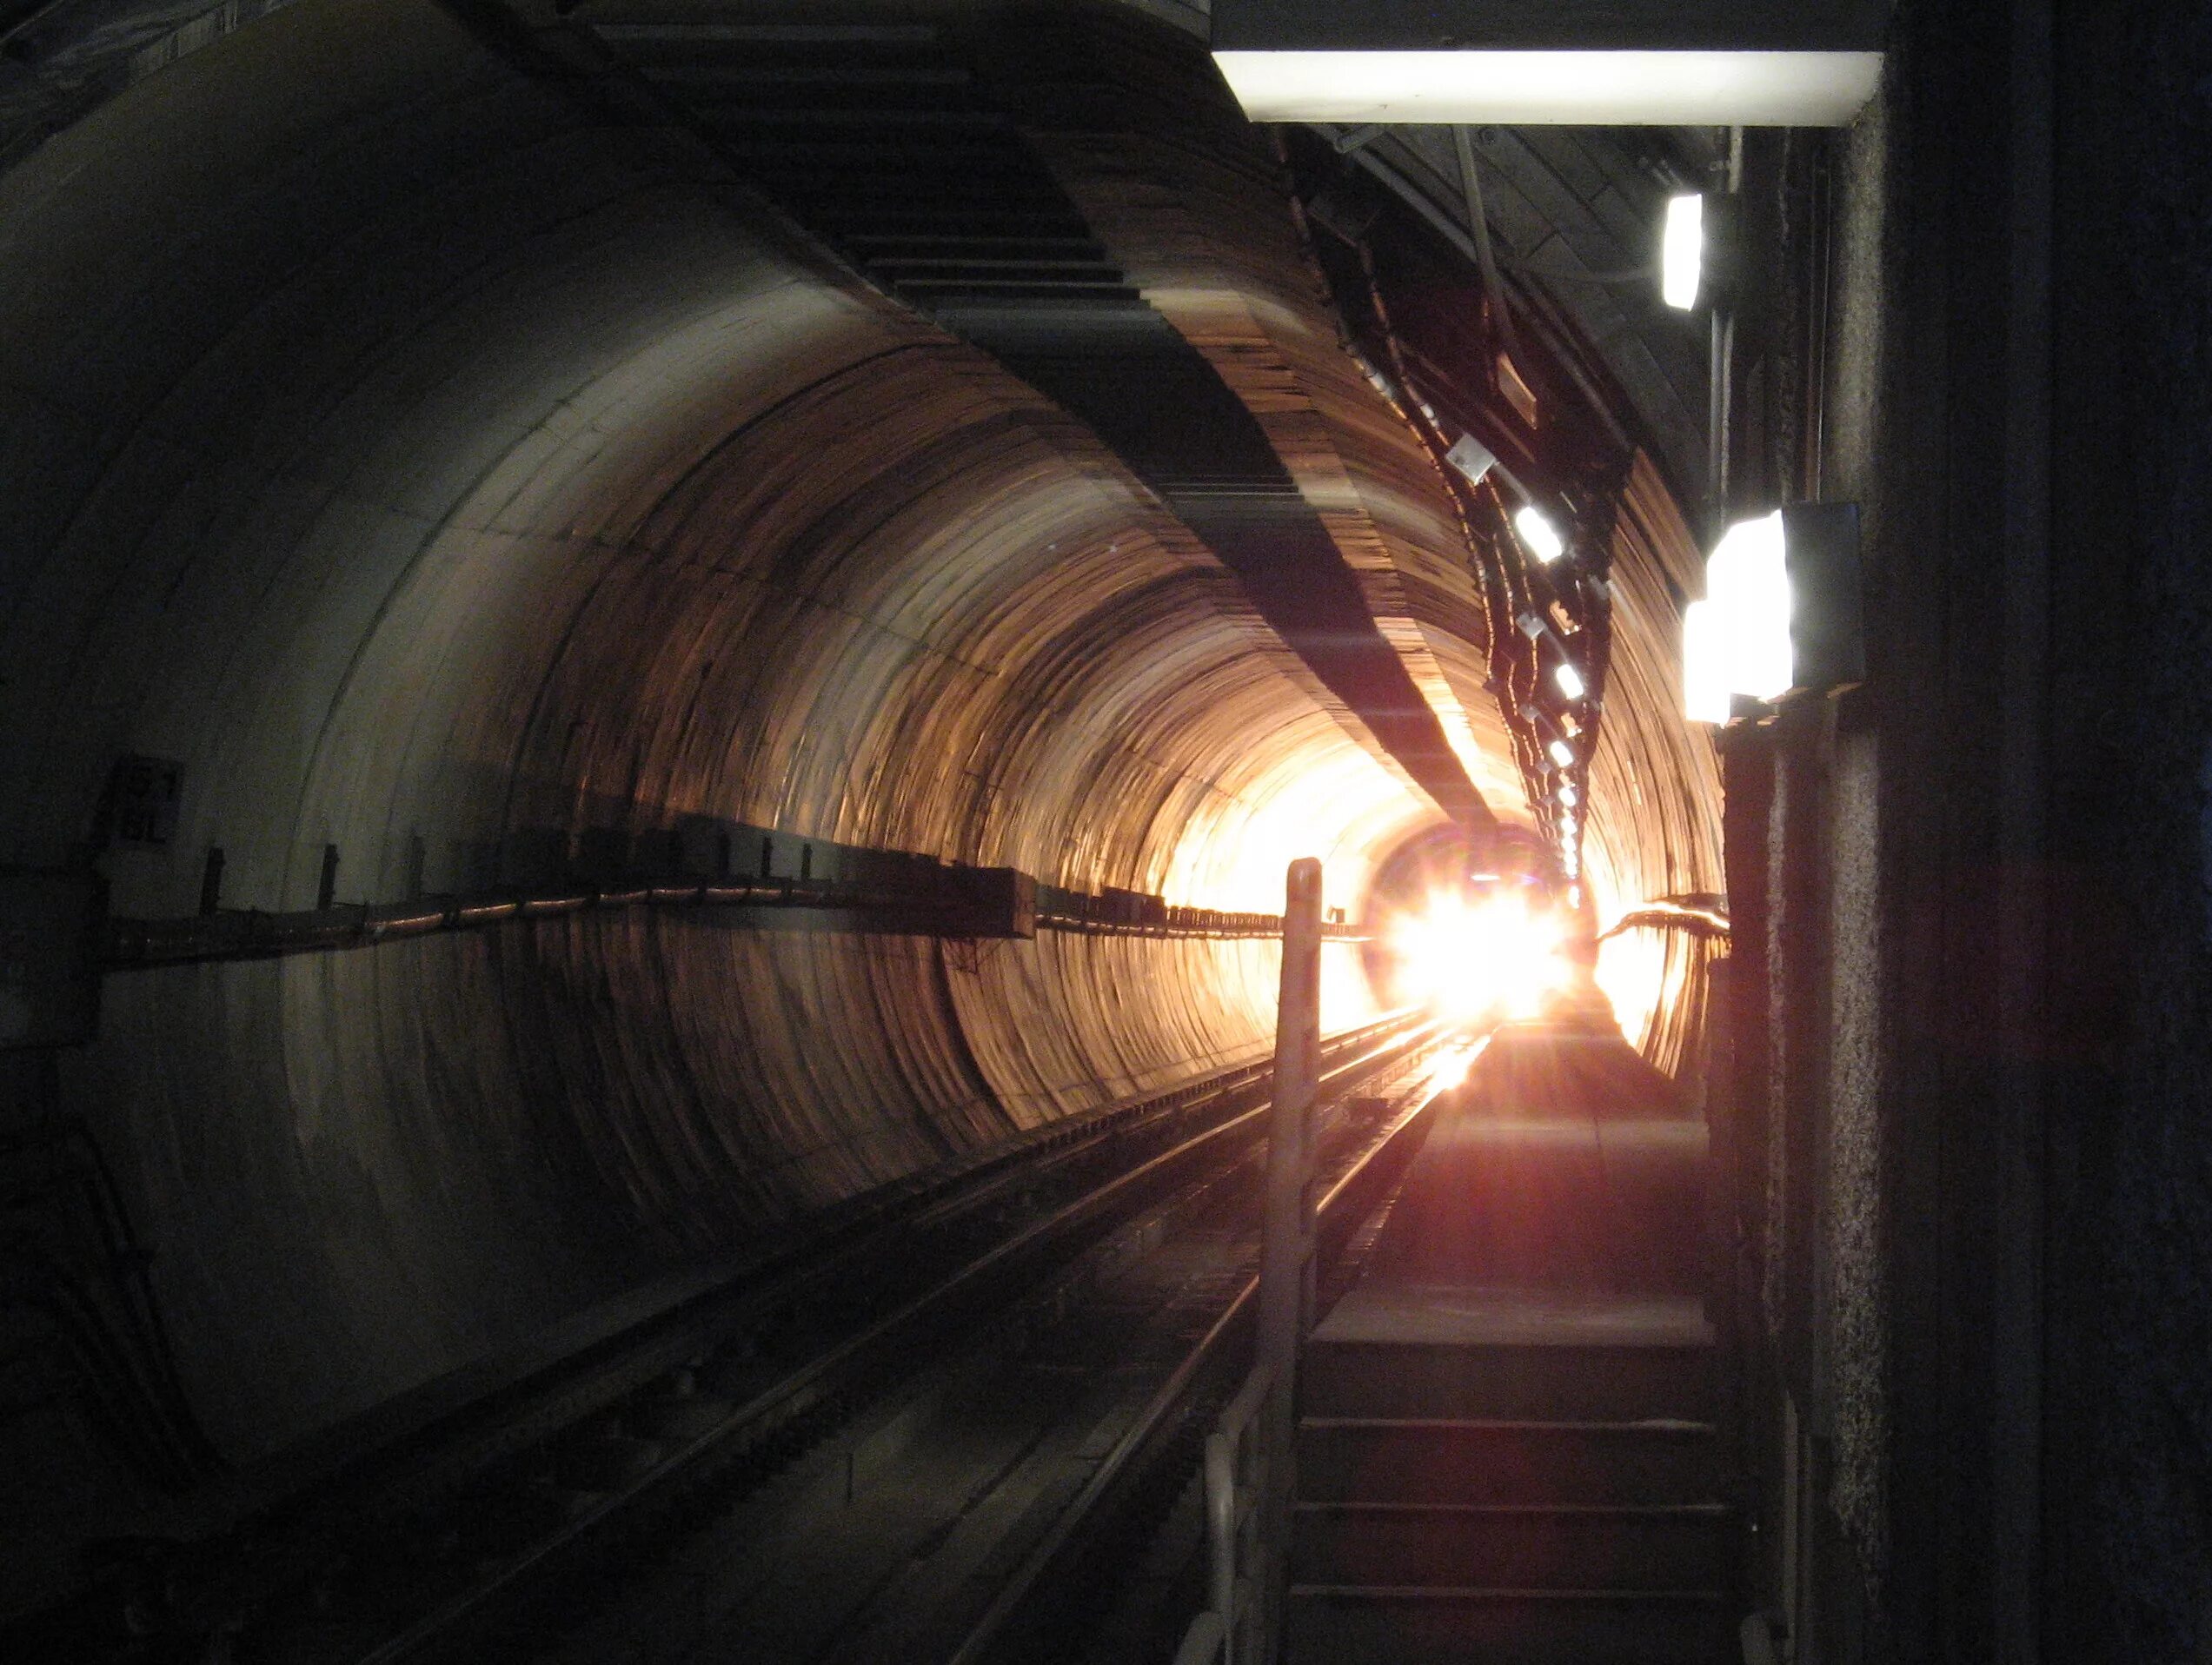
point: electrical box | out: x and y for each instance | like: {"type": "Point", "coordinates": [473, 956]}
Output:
{"type": "Point", "coordinates": [50, 925]}
{"type": "Point", "coordinates": [1002, 902]}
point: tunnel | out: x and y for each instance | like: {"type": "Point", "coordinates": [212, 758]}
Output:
{"type": "Point", "coordinates": [634, 634]}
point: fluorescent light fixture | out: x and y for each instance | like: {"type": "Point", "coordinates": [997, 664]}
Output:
{"type": "Point", "coordinates": [1682, 251]}
{"type": "Point", "coordinates": [1601, 88]}
{"type": "Point", "coordinates": [1570, 680]}
{"type": "Point", "coordinates": [1561, 754]}
{"type": "Point", "coordinates": [1540, 536]}
{"type": "Point", "coordinates": [1567, 794]}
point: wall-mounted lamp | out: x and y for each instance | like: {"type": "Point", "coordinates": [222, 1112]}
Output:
{"type": "Point", "coordinates": [1682, 251]}
{"type": "Point", "coordinates": [1561, 754]}
{"type": "Point", "coordinates": [1782, 611]}
{"type": "Point", "coordinates": [1699, 246]}
{"type": "Point", "coordinates": [1570, 680]}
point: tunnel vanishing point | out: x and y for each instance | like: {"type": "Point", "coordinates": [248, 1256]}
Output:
{"type": "Point", "coordinates": [655, 651]}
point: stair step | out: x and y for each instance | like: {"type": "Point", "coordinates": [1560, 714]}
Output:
{"type": "Point", "coordinates": [1556, 1202]}
{"type": "Point", "coordinates": [1349, 1626]}
{"type": "Point", "coordinates": [1509, 1384]}
{"type": "Point", "coordinates": [1437, 1352]}
{"type": "Point", "coordinates": [1683, 1546]}
{"type": "Point", "coordinates": [1399, 1460]}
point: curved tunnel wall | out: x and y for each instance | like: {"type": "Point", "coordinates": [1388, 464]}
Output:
{"type": "Point", "coordinates": [1654, 825]}
{"type": "Point", "coordinates": [423, 465]}
{"type": "Point", "coordinates": [441, 475]}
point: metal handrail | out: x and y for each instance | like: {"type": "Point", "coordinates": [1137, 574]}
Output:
{"type": "Point", "coordinates": [1249, 1456]}
{"type": "Point", "coordinates": [1233, 1629]}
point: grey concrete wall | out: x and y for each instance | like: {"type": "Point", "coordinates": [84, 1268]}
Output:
{"type": "Point", "coordinates": [2019, 1194]}
{"type": "Point", "coordinates": [2128, 1424]}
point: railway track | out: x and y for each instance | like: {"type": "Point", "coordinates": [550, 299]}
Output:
{"type": "Point", "coordinates": [478, 1535]}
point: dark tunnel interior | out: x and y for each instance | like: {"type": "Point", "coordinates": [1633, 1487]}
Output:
{"type": "Point", "coordinates": [623, 707]}
{"type": "Point", "coordinates": [446, 475]}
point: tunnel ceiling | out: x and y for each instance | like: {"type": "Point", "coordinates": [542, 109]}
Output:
{"type": "Point", "coordinates": [459, 440]}
{"type": "Point", "coordinates": [1109, 238]}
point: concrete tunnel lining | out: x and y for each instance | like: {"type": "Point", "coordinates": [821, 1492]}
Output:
{"type": "Point", "coordinates": [414, 456]}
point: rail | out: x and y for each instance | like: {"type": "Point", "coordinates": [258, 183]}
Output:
{"type": "Point", "coordinates": [1231, 1629]}
{"type": "Point", "coordinates": [898, 1336]}
{"type": "Point", "coordinates": [947, 1236]}
{"type": "Point", "coordinates": [1008, 1630]}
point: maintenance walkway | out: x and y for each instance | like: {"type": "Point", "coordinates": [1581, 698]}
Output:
{"type": "Point", "coordinates": [1508, 1445]}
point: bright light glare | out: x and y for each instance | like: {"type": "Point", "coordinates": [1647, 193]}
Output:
{"type": "Point", "coordinates": [1705, 663]}
{"type": "Point", "coordinates": [1539, 533]}
{"type": "Point", "coordinates": [1568, 795]}
{"type": "Point", "coordinates": [1451, 1069]}
{"type": "Point", "coordinates": [1570, 680]}
{"type": "Point", "coordinates": [1632, 971]}
{"type": "Point", "coordinates": [1682, 251]}
{"type": "Point", "coordinates": [1561, 754]}
{"type": "Point", "coordinates": [1738, 640]}
{"type": "Point", "coordinates": [1467, 960]}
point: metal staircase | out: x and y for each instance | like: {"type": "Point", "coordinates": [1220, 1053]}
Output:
{"type": "Point", "coordinates": [1508, 1445]}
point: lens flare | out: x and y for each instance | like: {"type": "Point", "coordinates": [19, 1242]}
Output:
{"type": "Point", "coordinates": [1469, 959]}
{"type": "Point", "coordinates": [1451, 1069]}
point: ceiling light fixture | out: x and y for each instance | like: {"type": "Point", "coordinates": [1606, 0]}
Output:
{"type": "Point", "coordinates": [1540, 537]}
{"type": "Point", "coordinates": [1276, 82]}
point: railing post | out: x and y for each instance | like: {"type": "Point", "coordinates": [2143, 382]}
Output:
{"type": "Point", "coordinates": [1286, 1255]}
